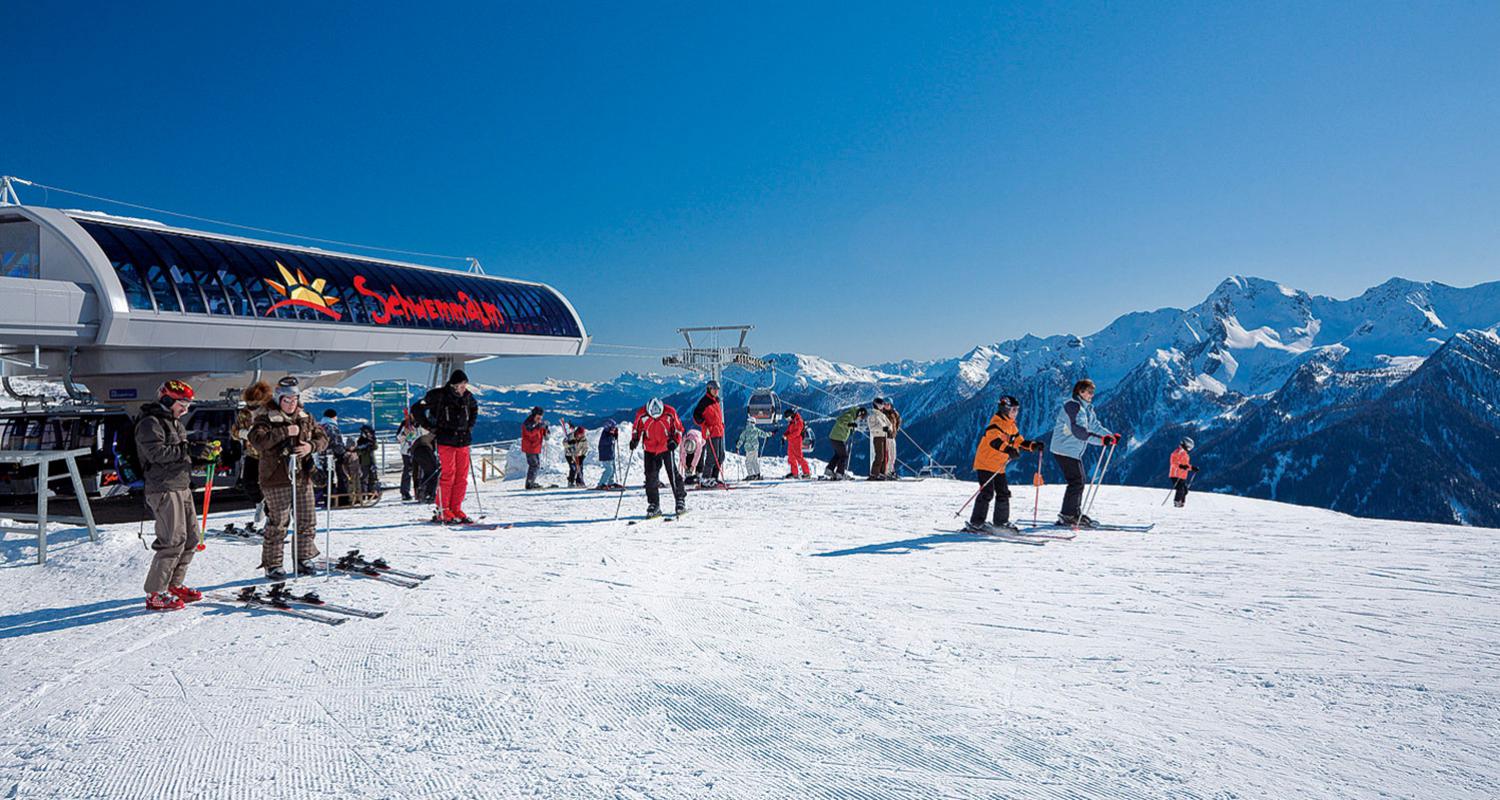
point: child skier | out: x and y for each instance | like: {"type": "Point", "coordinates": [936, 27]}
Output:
{"type": "Point", "coordinates": [690, 457]}
{"type": "Point", "coordinates": [657, 426]}
{"type": "Point", "coordinates": [575, 450]}
{"type": "Point", "coordinates": [1181, 471]}
{"type": "Point", "coordinates": [1000, 441]}
{"type": "Point", "coordinates": [749, 444]}
{"type": "Point", "coordinates": [609, 438]}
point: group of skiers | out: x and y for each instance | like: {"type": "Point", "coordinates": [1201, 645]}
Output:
{"type": "Point", "coordinates": [1075, 427]}
{"type": "Point", "coordinates": [280, 440]}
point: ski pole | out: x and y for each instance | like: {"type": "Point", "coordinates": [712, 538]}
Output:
{"type": "Point", "coordinates": [981, 488]}
{"type": "Point", "coordinates": [291, 471]}
{"type": "Point", "coordinates": [478, 500]}
{"type": "Point", "coordinates": [208, 491]}
{"type": "Point", "coordinates": [624, 483]}
{"type": "Point", "coordinates": [1104, 470]}
{"type": "Point", "coordinates": [328, 511]}
{"type": "Point", "coordinates": [1171, 491]}
{"type": "Point", "coordinates": [1036, 480]}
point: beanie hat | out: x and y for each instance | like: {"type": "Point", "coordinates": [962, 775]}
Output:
{"type": "Point", "coordinates": [330, 413]}
{"type": "Point", "coordinates": [457, 376]}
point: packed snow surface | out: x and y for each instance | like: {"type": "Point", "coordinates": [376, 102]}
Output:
{"type": "Point", "coordinates": [792, 640]}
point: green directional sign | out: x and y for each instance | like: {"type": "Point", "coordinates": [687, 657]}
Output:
{"type": "Point", "coordinates": [388, 403]}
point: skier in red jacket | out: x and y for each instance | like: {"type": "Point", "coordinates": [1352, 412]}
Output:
{"type": "Point", "coordinates": [1181, 471]}
{"type": "Point", "coordinates": [533, 433]}
{"type": "Point", "coordinates": [657, 426]}
{"type": "Point", "coordinates": [796, 430]}
{"type": "Point", "coordinates": [709, 415]}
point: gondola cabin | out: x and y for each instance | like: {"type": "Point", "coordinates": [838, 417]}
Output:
{"type": "Point", "coordinates": [765, 406]}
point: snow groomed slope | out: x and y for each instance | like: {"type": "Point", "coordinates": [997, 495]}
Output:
{"type": "Point", "coordinates": [797, 640]}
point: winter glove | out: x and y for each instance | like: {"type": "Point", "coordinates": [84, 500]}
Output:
{"type": "Point", "coordinates": [1033, 446]}
{"type": "Point", "coordinates": [1011, 451]}
{"type": "Point", "coordinates": [1192, 469]}
{"type": "Point", "coordinates": [635, 441]}
{"type": "Point", "coordinates": [672, 444]}
{"type": "Point", "coordinates": [1110, 439]}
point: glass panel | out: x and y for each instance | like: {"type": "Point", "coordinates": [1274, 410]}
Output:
{"type": "Point", "coordinates": [259, 270]}
{"type": "Point", "coordinates": [341, 283]}
{"type": "Point", "coordinates": [136, 291]}
{"type": "Point", "coordinates": [20, 249]}
{"type": "Point", "coordinates": [240, 301]}
{"type": "Point", "coordinates": [205, 273]}
{"type": "Point", "coordinates": [246, 278]}
{"type": "Point", "coordinates": [151, 264]}
{"type": "Point", "coordinates": [187, 289]}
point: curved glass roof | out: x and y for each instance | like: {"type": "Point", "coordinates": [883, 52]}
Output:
{"type": "Point", "coordinates": [171, 271]}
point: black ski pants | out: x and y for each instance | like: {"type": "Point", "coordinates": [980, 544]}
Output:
{"type": "Point", "coordinates": [1181, 485]}
{"type": "Point", "coordinates": [533, 464]}
{"type": "Point", "coordinates": [654, 464]}
{"type": "Point", "coordinates": [406, 477]}
{"type": "Point", "coordinates": [711, 461]}
{"type": "Point", "coordinates": [994, 487]}
{"type": "Point", "coordinates": [1072, 470]}
{"type": "Point", "coordinates": [839, 464]}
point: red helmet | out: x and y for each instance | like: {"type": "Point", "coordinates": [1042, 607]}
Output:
{"type": "Point", "coordinates": [177, 390]}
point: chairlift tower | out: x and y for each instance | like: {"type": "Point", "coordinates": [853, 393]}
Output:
{"type": "Point", "coordinates": [710, 361]}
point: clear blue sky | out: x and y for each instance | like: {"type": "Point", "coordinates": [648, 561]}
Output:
{"type": "Point", "coordinates": [865, 181]}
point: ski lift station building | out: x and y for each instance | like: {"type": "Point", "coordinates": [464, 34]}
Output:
{"type": "Point", "coordinates": [121, 304]}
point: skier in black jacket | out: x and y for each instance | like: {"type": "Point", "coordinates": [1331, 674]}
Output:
{"type": "Point", "coordinates": [450, 412]}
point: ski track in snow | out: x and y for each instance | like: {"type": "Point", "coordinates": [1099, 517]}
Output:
{"type": "Point", "coordinates": [803, 640]}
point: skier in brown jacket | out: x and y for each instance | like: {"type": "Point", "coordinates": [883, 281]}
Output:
{"type": "Point", "coordinates": [281, 432]}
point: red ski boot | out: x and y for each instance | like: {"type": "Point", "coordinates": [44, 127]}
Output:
{"type": "Point", "coordinates": [161, 601]}
{"type": "Point", "coordinates": [186, 594]}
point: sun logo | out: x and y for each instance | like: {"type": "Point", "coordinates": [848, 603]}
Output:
{"type": "Point", "coordinates": [299, 291]}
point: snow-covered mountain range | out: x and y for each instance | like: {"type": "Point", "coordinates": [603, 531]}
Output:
{"type": "Point", "coordinates": [1382, 405]}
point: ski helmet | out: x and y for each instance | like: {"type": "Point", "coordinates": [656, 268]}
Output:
{"type": "Point", "coordinates": [288, 387]}
{"type": "Point", "coordinates": [177, 390]}
{"type": "Point", "coordinates": [713, 385]}
{"type": "Point", "coordinates": [655, 407]}
{"type": "Point", "coordinates": [1007, 401]}
{"type": "Point", "coordinates": [536, 411]}
{"type": "Point", "coordinates": [1187, 442]}
{"type": "Point", "coordinates": [788, 414]}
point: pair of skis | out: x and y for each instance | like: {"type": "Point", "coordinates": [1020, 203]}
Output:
{"type": "Point", "coordinates": [306, 606]}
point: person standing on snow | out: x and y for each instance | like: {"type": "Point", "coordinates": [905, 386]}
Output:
{"type": "Point", "coordinates": [406, 436]}
{"type": "Point", "coordinates": [795, 434]}
{"type": "Point", "coordinates": [424, 467]}
{"type": "Point", "coordinates": [450, 411]}
{"type": "Point", "coordinates": [167, 459]}
{"type": "Point", "coordinates": [1181, 471]}
{"type": "Point", "coordinates": [256, 397]}
{"type": "Point", "coordinates": [657, 426]}
{"type": "Point", "coordinates": [575, 450]}
{"type": "Point", "coordinates": [749, 444]}
{"type": "Point", "coordinates": [843, 428]}
{"type": "Point", "coordinates": [879, 426]}
{"type": "Point", "coordinates": [284, 431]}
{"type": "Point", "coordinates": [1000, 441]}
{"type": "Point", "coordinates": [709, 416]}
{"type": "Point", "coordinates": [890, 441]}
{"type": "Point", "coordinates": [609, 439]}
{"type": "Point", "coordinates": [1076, 425]}
{"type": "Point", "coordinates": [533, 435]}
{"type": "Point", "coordinates": [336, 454]}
